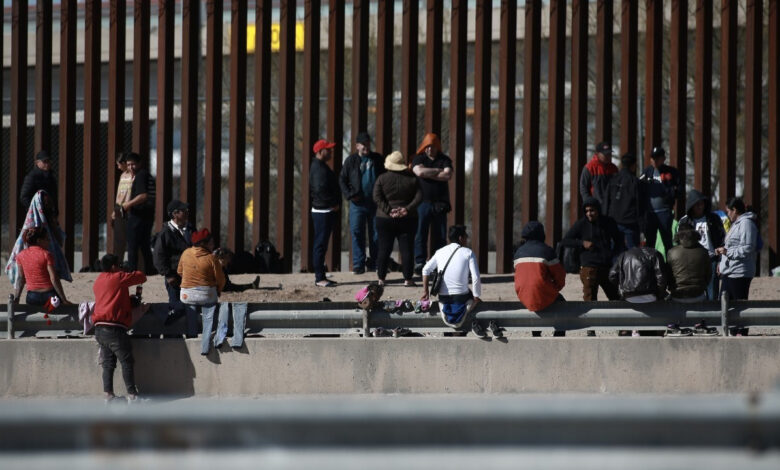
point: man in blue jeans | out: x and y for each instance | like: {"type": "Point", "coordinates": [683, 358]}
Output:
{"type": "Point", "coordinates": [433, 170]}
{"type": "Point", "coordinates": [325, 203]}
{"type": "Point", "coordinates": [357, 178]}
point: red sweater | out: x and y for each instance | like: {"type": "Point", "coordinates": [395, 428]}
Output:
{"type": "Point", "coordinates": [112, 300]}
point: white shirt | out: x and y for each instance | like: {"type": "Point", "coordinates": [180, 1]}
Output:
{"type": "Point", "coordinates": [456, 277]}
{"type": "Point", "coordinates": [704, 233]}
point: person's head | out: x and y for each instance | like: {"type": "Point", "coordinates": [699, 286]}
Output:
{"type": "Point", "coordinates": [322, 149]}
{"type": "Point", "coordinates": [203, 239]}
{"type": "Point", "coordinates": [457, 234]}
{"type": "Point", "coordinates": [533, 230]}
{"type": "Point", "coordinates": [735, 207]}
{"type": "Point", "coordinates": [395, 162]}
{"type": "Point", "coordinates": [109, 263]}
{"type": "Point", "coordinates": [178, 211]}
{"type": "Point", "coordinates": [121, 162]}
{"type": "Point", "coordinates": [430, 145]}
{"type": "Point", "coordinates": [43, 160]}
{"type": "Point", "coordinates": [363, 144]}
{"type": "Point", "coordinates": [604, 152]}
{"type": "Point", "coordinates": [658, 156]}
{"type": "Point", "coordinates": [697, 210]}
{"type": "Point", "coordinates": [36, 236]}
{"type": "Point", "coordinates": [628, 161]}
{"type": "Point", "coordinates": [133, 162]}
{"type": "Point", "coordinates": [224, 255]}
{"type": "Point", "coordinates": [686, 235]}
{"type": "Point", "coordinates": [592, 209]}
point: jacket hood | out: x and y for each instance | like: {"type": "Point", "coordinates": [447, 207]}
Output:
{"type": "Point", "coordinates": [688, 238]}
{"type": "Point", "coordinates": [591, 202]}
{"type": "Point", "coordinates": [695, 196]}
{"type": "Point", "coordinates": [533, 230]}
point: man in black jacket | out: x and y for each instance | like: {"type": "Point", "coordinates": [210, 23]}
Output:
{"type": "Point", "coordinates": [599, 239]}
{"type": "Point", "coordinates": [325, 202]}
{"type": "Point", "coordinates": [140, 214]}
{"type": "Point", "coordinates": [712, 235]}
{"type": "Point", "coordinates": [662, 188]}
{"type": "Point", "coordinates": [169, 244]}
{"type": "Point", "coordinates": [357, 178]}
{"type": "Point", "coordinates": [639, 275]}
{"type": "Point", "coordinates": [40, 178]}
{"type": "Point", "coordinates": [624, 201]}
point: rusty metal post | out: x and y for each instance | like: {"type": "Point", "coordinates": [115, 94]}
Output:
{"type": "Point", "coordinates": [384, 77]}
{"type": "Point", "coordinates": [237, 171]}
{"type": "Point", "coordinates": [774, 133]}
{"type": "Point", "coordinates": [604, 62]}
{"type": "Point", "coordinates": [555, 118]}
{"type": "Point", "coordinates": [411, 14]}
{"type": "Point", "coordinates": [458, 62]}
{"type": "Point", "coordinates": [753, 57]}
{"type": "Point", "coordinates": [43, 20]}
{"type": "Point", "coordinates": [727, 154]}
{"type": "Point", "coordinates": [579, 103]}
{"type": "Point", "coordinates": [18, 131]}
{"type": "Point", "coordinates": [678, 103]}
{"type": "Point", "coordinates": [653, 80]}
{"type": "Point", "coordinates": [213, 178]}
{"type": "Point", "coordinates": [91, 175]}
{"type": "Point", "coordinates": [165, 30]}
{"type": "Point", "coordinates": [433, 60]}
{"type": "Point", "coordinates": [702, 179]}
{"type": "Point", "coordinates": [532, 44]}
{"type": "Point", "coordinates": [261, 188]}
{"type": "Point", "coordinates": [190, 56]}
{"type": "Point", "coordinates": [480, 194]}
{"type": "Point", "coordinates": [311, 121]}
{"type": "Point", "coordinates": [628, 76]}
{"type": "Point", "coordinates": [336, 113]}
{"type": "Point", "coordinates": [141, 34]}
{"type": "Point", "coordinates": [285, 165]}
{"type": "Point", "coordinates": [116, 109]}
{"type": "Point", "coordinates": [360, 36]}
{"type": "Point", "coordinates": [505, 204]}
{"type": "Point", "coordinates": [67, 131]}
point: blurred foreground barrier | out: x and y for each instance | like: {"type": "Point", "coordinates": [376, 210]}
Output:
{"type": "Point", "coordinates": [343, 317]}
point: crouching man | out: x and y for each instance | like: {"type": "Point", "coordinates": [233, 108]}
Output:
{"type": "Point", "coordinates": [113, 315]}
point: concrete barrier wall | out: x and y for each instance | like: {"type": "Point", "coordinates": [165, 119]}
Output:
{"type": "Point", "coordinates": [35, 367]}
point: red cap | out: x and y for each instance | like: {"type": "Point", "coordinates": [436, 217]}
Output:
{"type": "Point", "coordinates": [323, 144]}
{"type": "Point", "coordinates": [200, 235]}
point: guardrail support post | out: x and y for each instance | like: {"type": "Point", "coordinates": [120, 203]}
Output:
{"type": "Point", "coordinates": [366, 329]}
{"type": "Point", "coordinates": [724, 313]}
{"type": "Point", "coordinates": [11, 316]}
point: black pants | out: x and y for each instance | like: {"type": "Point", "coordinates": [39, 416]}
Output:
{"type": "Point", "coordinates": [322, 222]}
{"type": "Point", "coordinates": [738, 288]}
{"type": "Point", "coordinates": [139, 237]}
{"type": "Point", "coordinates": [388, 230]}
{"type": "Point", "coordinates": [114, 343]}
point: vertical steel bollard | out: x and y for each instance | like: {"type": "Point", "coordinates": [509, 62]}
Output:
{"type": "Point", "coordinates": [724, 312]}
{"type": "Point", "coordinates": [11, 316]}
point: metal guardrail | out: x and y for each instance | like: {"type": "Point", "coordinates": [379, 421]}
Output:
{"type": "Point", "coordinates": [335, 317]}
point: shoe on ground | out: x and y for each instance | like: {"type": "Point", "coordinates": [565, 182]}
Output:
{"type": "Point", "coordinates": [325, 283]}
{"type": "Point", "coordinates": [591, 333]}
{"type": "Point", "coordinates": [495, 330]}
{"type": "Point", "coordinates": [410, 283]}
{"type": "Point", "coordinates": [635, 334]}
{"type": "Point", "coordinates": [673, 330]}
{"type": "Point", "coordinates": [360, 270]}
{"type": "Point", "coordinates": [477, 329]}
{"type": "Point", "coordinates": [701, 329]}
{"type": "Point", "coordinates": [256, 282]}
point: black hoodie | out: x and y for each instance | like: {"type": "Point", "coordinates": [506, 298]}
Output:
{"type": "Point", "coordinates": [716, 232]}
{"type": "Point", "coordinates": [607, 239]}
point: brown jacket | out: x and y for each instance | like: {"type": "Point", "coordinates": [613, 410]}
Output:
{"type": "Point", "coordinates": [397, 189]}
{"type": "Point", "coordinates": [199, 268]}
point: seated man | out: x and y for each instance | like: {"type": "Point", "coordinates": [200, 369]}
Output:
{"type": "Point", "coordinates": [539, 276]}
{"type": "Point", "coordinates": [639, 275]}
{"type": "Point", "coordinates": [690, 268]}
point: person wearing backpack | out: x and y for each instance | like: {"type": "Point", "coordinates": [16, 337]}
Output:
{"type": "Point", "coordinates": [624, 201]}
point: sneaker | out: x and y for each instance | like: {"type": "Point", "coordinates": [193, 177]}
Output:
{"type": "Point", "coordinates": [325, 283]}
{"type": "Point", "coordinates": [398, 332]}
{"type": "Point", "coordinates": [477, 329]}
{"type": "Point", "coordinates": [674, 330]}
{"type": "Point", "coordinates": [701, 329]}
{"type": "Point", "coordinates": [495, 330]}
{"type": "Point", "coordinates": [357, 271]}
{"type": "Point", "coordinates": [591, 333]}
{"type": "Point", "coordinates": [256, 282]}
{"type": "Point", "coordinates": [635, 334]}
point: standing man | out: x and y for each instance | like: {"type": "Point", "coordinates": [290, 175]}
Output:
{"type": "Point", "coordinates": [596, 174]}
{"type": "Point", "coordinates": [358, 175]}
{"type": "Point", "coordinates": [173, 239]}
{"type": "Point", "coordinates": [118, 215]}
{"type": "Point", "coordinates": [599, 241]}
{"type": "Point", "coordinates": [140, 214]}
{"type": "Point", "coordinates": [40, 178]}
{"type": "Point", "coordinates": [325, 202]}
{"type": "Point", "coordinates": [663, 189]}
{"type": "Point", "coordinates": [433, 169]}
{"type": "Point", "coordinates": [624, 201]}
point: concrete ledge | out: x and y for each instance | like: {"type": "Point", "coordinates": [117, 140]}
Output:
{"type": "Point", "coordinates": [66, 368]}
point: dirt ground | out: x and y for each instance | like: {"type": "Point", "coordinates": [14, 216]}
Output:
{"type": "Point", "coordinates": [301, 288]}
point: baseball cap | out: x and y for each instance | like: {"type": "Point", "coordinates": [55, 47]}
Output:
{"type": "Point", "coordinates": [604, 147]}
{"type": "Point", "coordinates": [658, 152]}
{"type": "Point", "coordinates": [323, 144]}
{"type": "Point", "coordinates": [177, 205]}
{"type": "Point", "coordinates": [43, 155]}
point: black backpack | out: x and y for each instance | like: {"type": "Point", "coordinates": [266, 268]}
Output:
{"type": "Point", "coordinates": [243, 262]}
{"type": "Point", "coordinates": [267, 258]}
{"type": "Point", "coordinates": [569, 257]}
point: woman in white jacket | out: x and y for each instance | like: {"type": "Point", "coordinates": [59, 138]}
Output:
{"type": "Point", "coordinates": [738, 261]}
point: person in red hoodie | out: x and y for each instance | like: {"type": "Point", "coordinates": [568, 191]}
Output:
{"type": "Point", "coordinates": [113, 315]}
{"type": "Point", "coordinates": [539, 276]}
{"type": "Point", "coordinates": [594, 180]}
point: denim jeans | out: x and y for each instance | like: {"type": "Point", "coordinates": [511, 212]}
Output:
{"type": "Point", "coordinates": [239, 321]}
{"type": "Point", "coordinates": [114, 343]}
{"type": "Point", "coordinates": [427, 220]}
{"type": "Point", "coordinates": [192, 314]}
{"type": "Point", "coordinates": [362, 217]}
{"type": "Point", "coordinates": [39, 299]}
{"type": "Point", "coordinates": [323, 225]}
{"type": "Point", "coordinates": [207, 316]}
{"type": "Point", "coordinates": [630, 235]}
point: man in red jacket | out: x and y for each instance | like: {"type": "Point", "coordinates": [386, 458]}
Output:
{"type": "Point", "coordinates": [113, 316]}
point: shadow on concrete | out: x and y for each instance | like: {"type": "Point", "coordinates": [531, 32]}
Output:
{"type": "Point", "coordinates": [164, 367]}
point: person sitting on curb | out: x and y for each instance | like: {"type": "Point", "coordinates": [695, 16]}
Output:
{"type": "Point", "coordinates": [689, 266]}
{"type": "Point", "coordinates": [640, 276]}
{"type": "Point", "coordinates": [202, 280]}
{"type": "Point", "coordinates": [225, 256]}
{"type": "Point", "coordinates": [36, 270]}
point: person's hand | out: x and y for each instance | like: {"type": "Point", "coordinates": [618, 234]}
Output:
{"type": "Point", "coordinates": [172, 281]}
{"type": "Point", "coordinates": [720, 250]}
{"type": "Point", "coordinates": [113, 215]}
{"type": "Point", "coordinates": [402, 212]}
{"type": "Point", "coordinates": [125, 206]}
{"type": "Point", "coordinates": [587, 244]}
{"type": "Point", "coordinates": [425, 295]}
